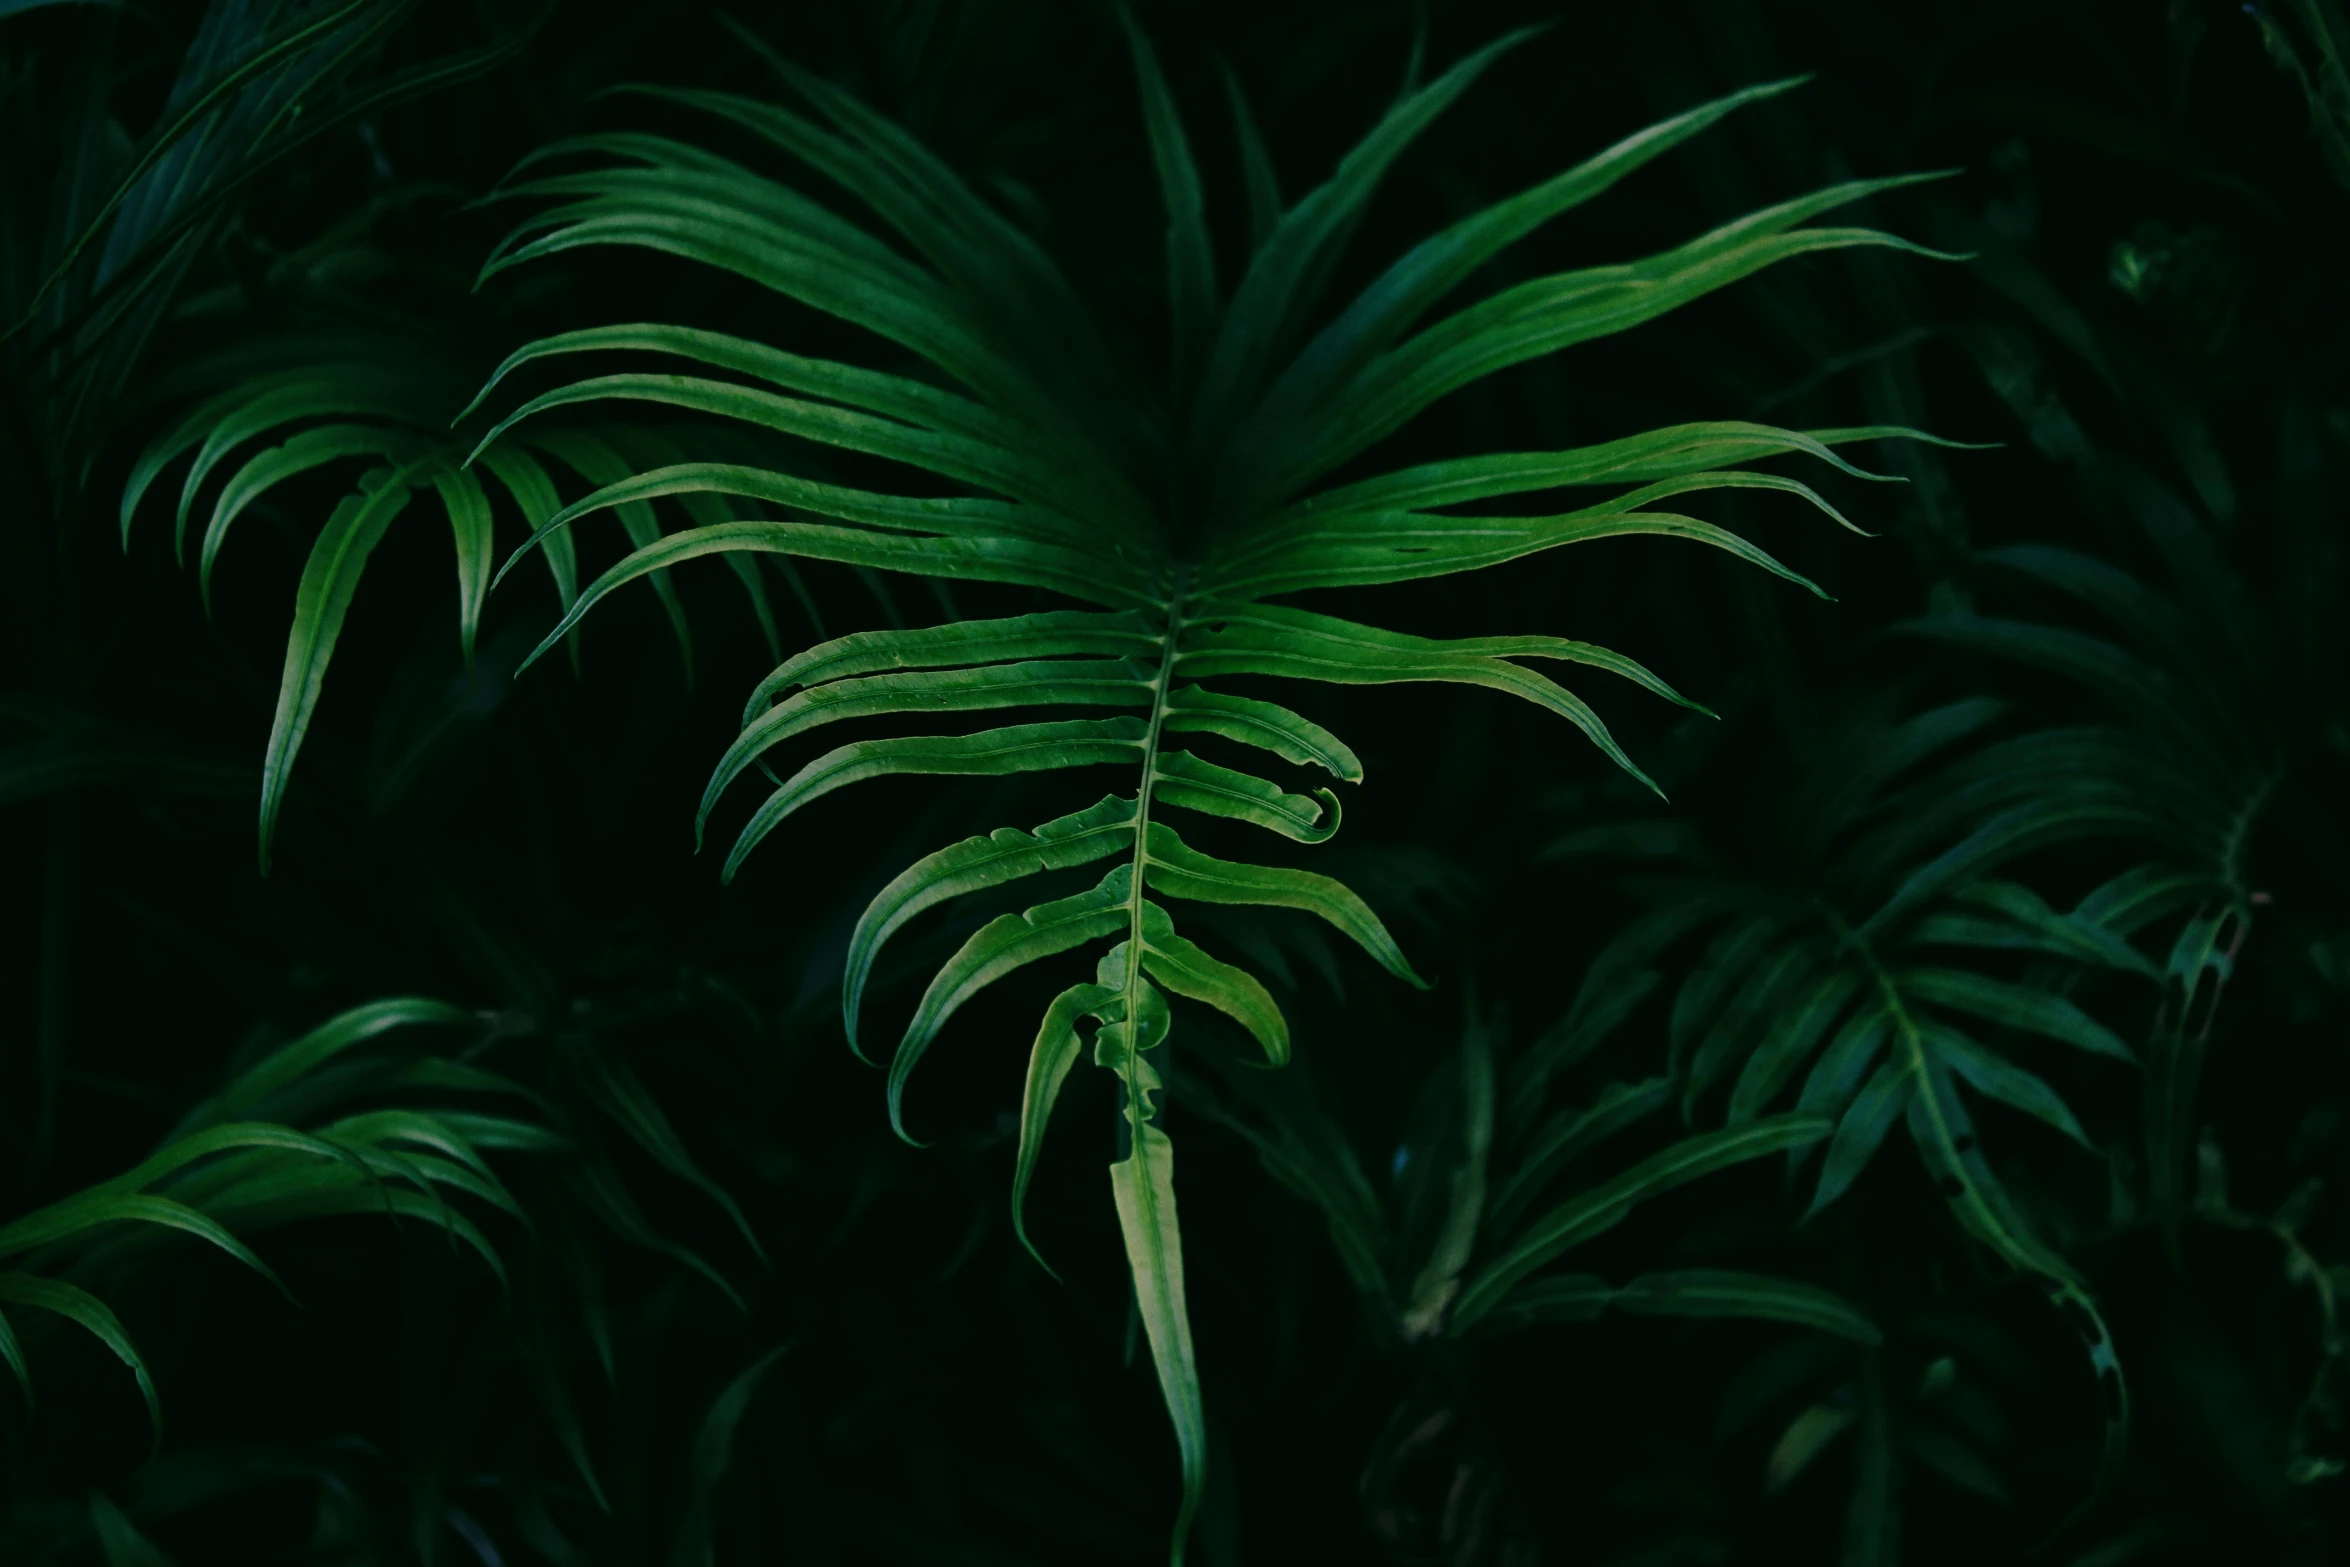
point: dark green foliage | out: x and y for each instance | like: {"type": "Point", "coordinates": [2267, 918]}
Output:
{"type": "Point", "coordinates": [1883, 1101]}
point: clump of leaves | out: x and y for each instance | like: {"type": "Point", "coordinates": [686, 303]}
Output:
{"type": "Point", "coordinates": [1181, 512]}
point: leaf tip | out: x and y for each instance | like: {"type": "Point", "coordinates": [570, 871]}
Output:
{"type": "Point", "coordinates": [1020, 1229]}
{"type": "Point", "coordinates": [537, 652]}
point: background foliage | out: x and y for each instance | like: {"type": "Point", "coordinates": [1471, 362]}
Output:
{"type": "Point", "coordinates": [2029, 844]}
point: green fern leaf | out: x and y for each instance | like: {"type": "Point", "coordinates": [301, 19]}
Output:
{"type": "Point", "coordinates": [1178, 523]}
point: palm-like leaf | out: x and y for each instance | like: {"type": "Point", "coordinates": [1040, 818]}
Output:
{"type": "Point", "coordinates": [350, 1119]}
{"type": "Point", "coordinates": [256, 85]}
{"type": "Point", "coordinates": [82, 296]}
{"type": "Point", "coordinates": [227, 1170]}
{"type": "Point", "coordinates": [1179, 527]}
{"type": "Point", "coordinates": [2205, 708]}
{"type": "Point", "coordinates": [378, 400]}
{"type": "Point", "coordinates": [368, 397]}
{"type": "Point", "coordinates": [1873, 976]}
{"type": "Point", "coordinates": [1503, 1217]}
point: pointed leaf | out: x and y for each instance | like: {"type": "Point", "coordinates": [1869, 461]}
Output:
{"type": "Point", "coordinates": [1057, 682]}
{"type": "Point", "coordinates": [1303, 1148]}
{"type": "Point", "coordinates": [1769, 989]}
{"type": "Point", "coordinates": [1872, 1521]}
{"type": "Point", "coordinates": [91, 1209]}
{"type": "Point", "coordinates": [2016, 1006]}
{"type": "Point", "coordinates": [623, 1097]}
{"type": "Point", "coordinates": [168, 448]}
{"type": "Point", "coordinates": [1144, 1185]}
{"type": "Point", "coordinates": [301, 452]}
{"type": "Point", "coordinates": [89, 1312]}
{"type": "Point", "coordinates": [1552, 313]}
{"type": "Point", "coordinates": [2103, 666]}
{"type": "Point", "coordinates": [1265, 725]}
{"type": "Point", "coordinates": [1570, 1134]}
{"type": "Point", "coordinates": [976, 559]}
{"type": "Point", "coordinates": [536, 497]}
{"type": "Point", "coordinates": [1256, 166]}
{"type": "Point", "coordinates": [713, 1452]}
{"type": "Point", "coordinates": [1672, 452]}
{"type": "Point", "coordinates": [1944, 1136]}
{"type": "Point", "coordinates": [2065, 935]}
{"type": "Point", "coordinates": [1289, 645]}
{"type": "Point", "coordinates": [1555, 1298]}
{"type": "Point", "coordinates": [1180, 778]}
{"type": "Point", "coordinates": [469, 525]}
{"type": "Point", "coordinates": [595, 461]}
{"type": "Point", "coordinates": [2004, 1081]}
{"type": "Point", "coordinates": [961, 458]}
{"type": "Point", "coordinates": [1715, 1292]}
{"type": "Point", "coordinates": [896, 397]}
{"type": "Point", "coordinates": [1191, 265]}
{"type": "Point", "coordinates": [1020, 748]}
{"type": "Point", "coordinates": [290, 1062]}
{"type": "Point", "coordinates": [119, 1539]}
{"type": "Point", "coordinates": [1296, 644]}
{"type": "Point", "coordinates": [1719, 975]}
{"type": "Point", "coordinates": [1439, 1278]}
{"type": "Point", "coordinates": [1782, 1052]}
{"type": "Point", "coordinates": [1593, 1212]}
{"type": "Point", "coordinates": [1846, 1062]}
{"type": "Point", "coordinates": [1049, 1060]}
{"type": "Point", "coordinates": [1619, 978]}
{"type": "Point", "coordinates": [1180, 871]}
{"type": "Point", "coordinates": [1289, 266]}
{"type": "Point", "coordinates": [1860, 1132]}
{"type": "Point", "coordinates": [1049, 634]}
{"type": "Point", "coordinates": [1005, 855]}
{"type": "Point", "coordinates": [365, 392]}
{"type": "Point", "coordinates": [1183, 968]}
{"type": "Point", "coordinates": [2139, 896]}
{"type": "Point", "coordinates": [2004, 837]}
{"type": "Point", "coordinates": [1415, 546]}
{"type": "Point", "coordinates": [1442, 262]}
{"type": "Point", "coordinates": [330, 577]}
{"type": "Point", "coordinates": [1003, 944]}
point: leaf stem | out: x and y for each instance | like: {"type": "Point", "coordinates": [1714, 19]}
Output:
{"type": "Point", "coordinates": [1138, 1109]}
{"type": "Point", "coordinates": [1978, 1213]}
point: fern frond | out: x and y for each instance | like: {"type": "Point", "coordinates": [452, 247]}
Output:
{"type": "Point", "coordinates": [1893, 973]}
{"type": "Point", "coordinates": [1181, 525]}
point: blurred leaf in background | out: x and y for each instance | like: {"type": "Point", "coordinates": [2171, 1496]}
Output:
{"type": "Point", "coordinates": [1918, 1137]}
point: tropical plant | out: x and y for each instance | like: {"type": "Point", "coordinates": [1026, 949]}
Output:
{"type": "Point", "coordinates": [2030, 840]}
{"type": "Point", "coordinates": [104, 230]}
{"type": "Point", "coordinates": [349, 1119]}
{"type": "Point", "coordinates": [1183, 511]}
{"type": "Point", "coordinates": [256, 86]}
{"type": "Point", "coordinates": [403, 390]}
{"type": "Point", "coordinates": [1457, 1190]}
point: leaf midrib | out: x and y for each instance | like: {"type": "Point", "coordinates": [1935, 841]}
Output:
{"type": "Point", "coordinates": [1130, 1069]}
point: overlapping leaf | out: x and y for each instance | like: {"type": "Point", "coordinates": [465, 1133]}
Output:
{"type": "Point", "coordinates": [1051, 467]}
{"type": "Point", "coordinates": [335, 1123]}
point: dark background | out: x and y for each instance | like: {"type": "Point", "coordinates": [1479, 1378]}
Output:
{"type": "Point", "coordinates": [524, 845]}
